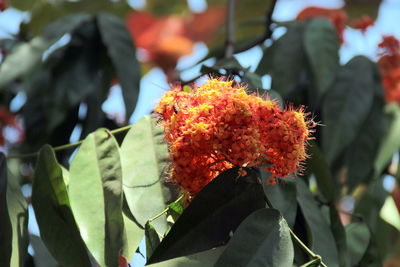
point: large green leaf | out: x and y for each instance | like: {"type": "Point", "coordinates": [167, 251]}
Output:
{"type": "Point", "coordinates": [390, 142]}
{"type": "Point", "coordinates": [282, 196]}
{"type": "Point", "coordinates": [347, 105]}
{"type": "Point", "coordinates": [5, 223]}
{"type": "Point", "coordinates": [95, 191]}
{"type": "Point", "coordinates": [152, 239]}
{"type": "Point", "coordinates": [144, 157]}
{"type": "Point", "coordinates": [358, 237]}
{"type": "Point", "coordinates": [122, 52]}
{"type": "Point", "coordinates": [321, 45]}
{"type": "Point", "coordinates": [285, 60]}
{"type": "Point", "coordinates": [216, 210]}
{"type": "Point", "coordinates": [42, 256]}
{"type": "Point", "coordinates": [322, 241]}
{"type": "Point", "coordinates": [339, 234]}
{"type": "Point", "coordinates": [268, 234]}
{"type": "Point", "coordinates": [27, 56]}
{"type": "Point", "coordinates": [202, 259]}
{"type": "Point", "coordinates": [18, 212]}
{"type": "Point", "coordinates": [53, 212]}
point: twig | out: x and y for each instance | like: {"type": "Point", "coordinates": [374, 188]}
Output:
{"type": "Point", "coordinates": [268, 30]}
{"type": "Point", "coordinates": [230, 41]}
{"type": "Point", "coordinates": [63, 147]}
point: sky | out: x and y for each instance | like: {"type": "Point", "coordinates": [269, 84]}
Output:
{"type": "Point", "coordinates": [154, 83]}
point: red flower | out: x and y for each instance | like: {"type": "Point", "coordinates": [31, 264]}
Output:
{"type": "Point", "coordinates": [217, 126]}
{"type": "Point", "coordinates": [337, 17]}
{"type": "Point", "coordinates": [7, 119]}
{"type": "Point", "coordinates": [3, 5]}
{"type": "Point", "coordinates": [363, 23]}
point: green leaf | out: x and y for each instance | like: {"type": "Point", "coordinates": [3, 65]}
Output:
{"type": "Point", "coordinates": [390, 214]}
{"type": "Point", "coordinates": [175, 210]}
{"type": "Point", "coordinates": [321, 45]}
{"type": "Point", "coordinates": [339, 234]}
{"type": "Point", "coordinates": [285, 60]}
{"type": "Point", "coordinates": [322, 240]}
{"type": "Point", "coordinates": [323, 175]}
{"type": "Point", "coordinates": [132, 237]}
{"type": "Point", "coordinates": [203, 259]}
{"type": "Point", "coordinates": [18, 212]}
{"type": "Point", "coordinates": [216, 210]}
{"type": "Point", "coordinates": [358, 238]}
{"type": "Point", "coordinates": [95, 191]}
{"type": "Point", "coordinates": [122, 52]}
{"type": "Point", "coordinates": [282, 196]}
{"type": "Point", "coordinates": [253, 81]}
{"type": "Point", "coordinates": [152, 239]}
{"type": "Point", "coordinates": [144, 157]}
{"type": "Point", "coordinates": [56, 222]}
{"type": "Point", "coordinates": [268, 234]}
{"type": "Point", "coordinates": [42, 256]}
{"type": "Point", "coordinates": [5, 223]}
{"type": "Point", "coordinates": [27, 56]}
{"type": "Point", "coordinates": [390, 142]}
{"type": "Point", "coordinates": [347, 105]}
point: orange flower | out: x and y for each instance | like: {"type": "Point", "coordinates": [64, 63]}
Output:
{"type": "Point", "coordinates": [337, 17]}
{"type": "Point", "coordinates": [217, 126]}
{"type": "Point", "coordinates": [389, 65]}
{"type": "Point", "coordinates": [363, 23]}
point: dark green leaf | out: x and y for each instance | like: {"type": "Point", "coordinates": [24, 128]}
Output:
{"type": "Point", "coordinates": [323, 175]}
{"type": "Point", "coordinates": [5, 223]}
{"type": "Point", "coordinates": [322, 240]}
{"type": "Point", "coordinates": [96, 172]}
{"type": "Point", "coordinates": [347, 105]}
{"type": "Point", "coordinates": [216, 210]}
{"type": "Point", "coordinates": [358, 237]}
{"type": "Point", "coordinates": [285, 60]}
{"type": "Point", "coordinates": [122, 52]}
{"type": "Point", "coordinates": [253, 80]}
{"type": "Point", "coordinates": [268, 234]}
{"type": "Point", "coordinates": [282, 196]}
{"type": "Point", "coordinates": [18, 212]}
{"type": "Point", "coordinates": [339, 234]}
{"type": "Point", "coordinates": [27, 56]}
{"type": "Point", "coordinates": [152, 239]}
{"type": "Point", "coordinates": [321, 45]}
{"type": "Point", "coordinates": [42, 256]}
{"type": "Point", "coordinates": [144, 157]}
{"type": "Point", "coordinates": [53, 212]}
{"type": "Point", "coordinates": [203, 259]}
{"type": "Point", "coordinates": [390, 142]}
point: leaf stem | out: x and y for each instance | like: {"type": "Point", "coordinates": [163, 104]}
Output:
{"type": "Point", "coordinates": [316, 257]}
{"type": "Point", "coordinates": [67, 146]}
{"type": "Point", "coordinates": [165, 210]}
{"type": "Point", "coordinates": [229, 41]}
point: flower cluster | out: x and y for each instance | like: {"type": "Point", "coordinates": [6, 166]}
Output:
{"type": "Point", "coordinates": [363, 23]}
{"type": "Point", "coordinates": [389, 65]}
{"type": "Point", "coordinates": [216, 126]}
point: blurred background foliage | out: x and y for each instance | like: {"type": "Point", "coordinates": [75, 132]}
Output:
{"type": "Point", "coordinates": [67, 59]}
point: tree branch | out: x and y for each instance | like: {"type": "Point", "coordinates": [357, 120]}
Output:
{"type": "Point", "coordinates": [230, 41]}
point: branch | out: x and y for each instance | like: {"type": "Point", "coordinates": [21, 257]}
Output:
{"type": "Point", "coordinates": [229, 41]}
{"type": "Point", "coordinates": [268, 30]}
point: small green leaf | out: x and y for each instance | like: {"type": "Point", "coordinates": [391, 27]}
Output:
{"type": "Point", "coordinates": [390, 142]}
{"type": "Point", "coordinates": [390, 214]}
{"type": "Point", "coordinates": [175, 210]}
{"type": "Point", "coordinates": [5, 223]}
{"type": "Point", "coordinates": [95, 191]}
{"type": "Point", "coordinates": [144, 157]}
{"type": "Point", "coordinates": [216, 210]}
{"type": "Point", "coordinates": [268, 234]}
{"type": "Point", "coordinates": [321, 44]}
{"type": "Point", "coordinates": [322, 240]}
{"type": "Point", "coordinates": [358, 238]}
{"type": "Point", "coordinates": [152, 239]}
{"type": "Point", "coordinates": [53, 212]}
{"type": "Point", "coordinates": [122, 52]}
{"type": "Point", "coordinates": [347, 105]}
{"type": "Point", "coordinates": [203, 259]}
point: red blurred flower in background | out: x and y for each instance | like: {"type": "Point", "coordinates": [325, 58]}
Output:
{"type": "Point", "coordinates": [166, 39]}
{"type": "Point", "coordinates": [337, 17]}
{"type": "Point", "coordinates": [7, 119]}
{"type": "Point", "coordinates": [363, 23]}
{"type": "Point", "coordinates": [389, 65]}
{"type": "Point", "coordinates": [3, 5]}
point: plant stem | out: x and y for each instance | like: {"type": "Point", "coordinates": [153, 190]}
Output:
{"type": "Point", "coordinates": [67, 146]}
{"type": "Point", "coordinates": [165, 210]}
{"type": "Point", "coordinates": [229, 41]}
{"type": "Point", "coordinates": [316, 258]}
